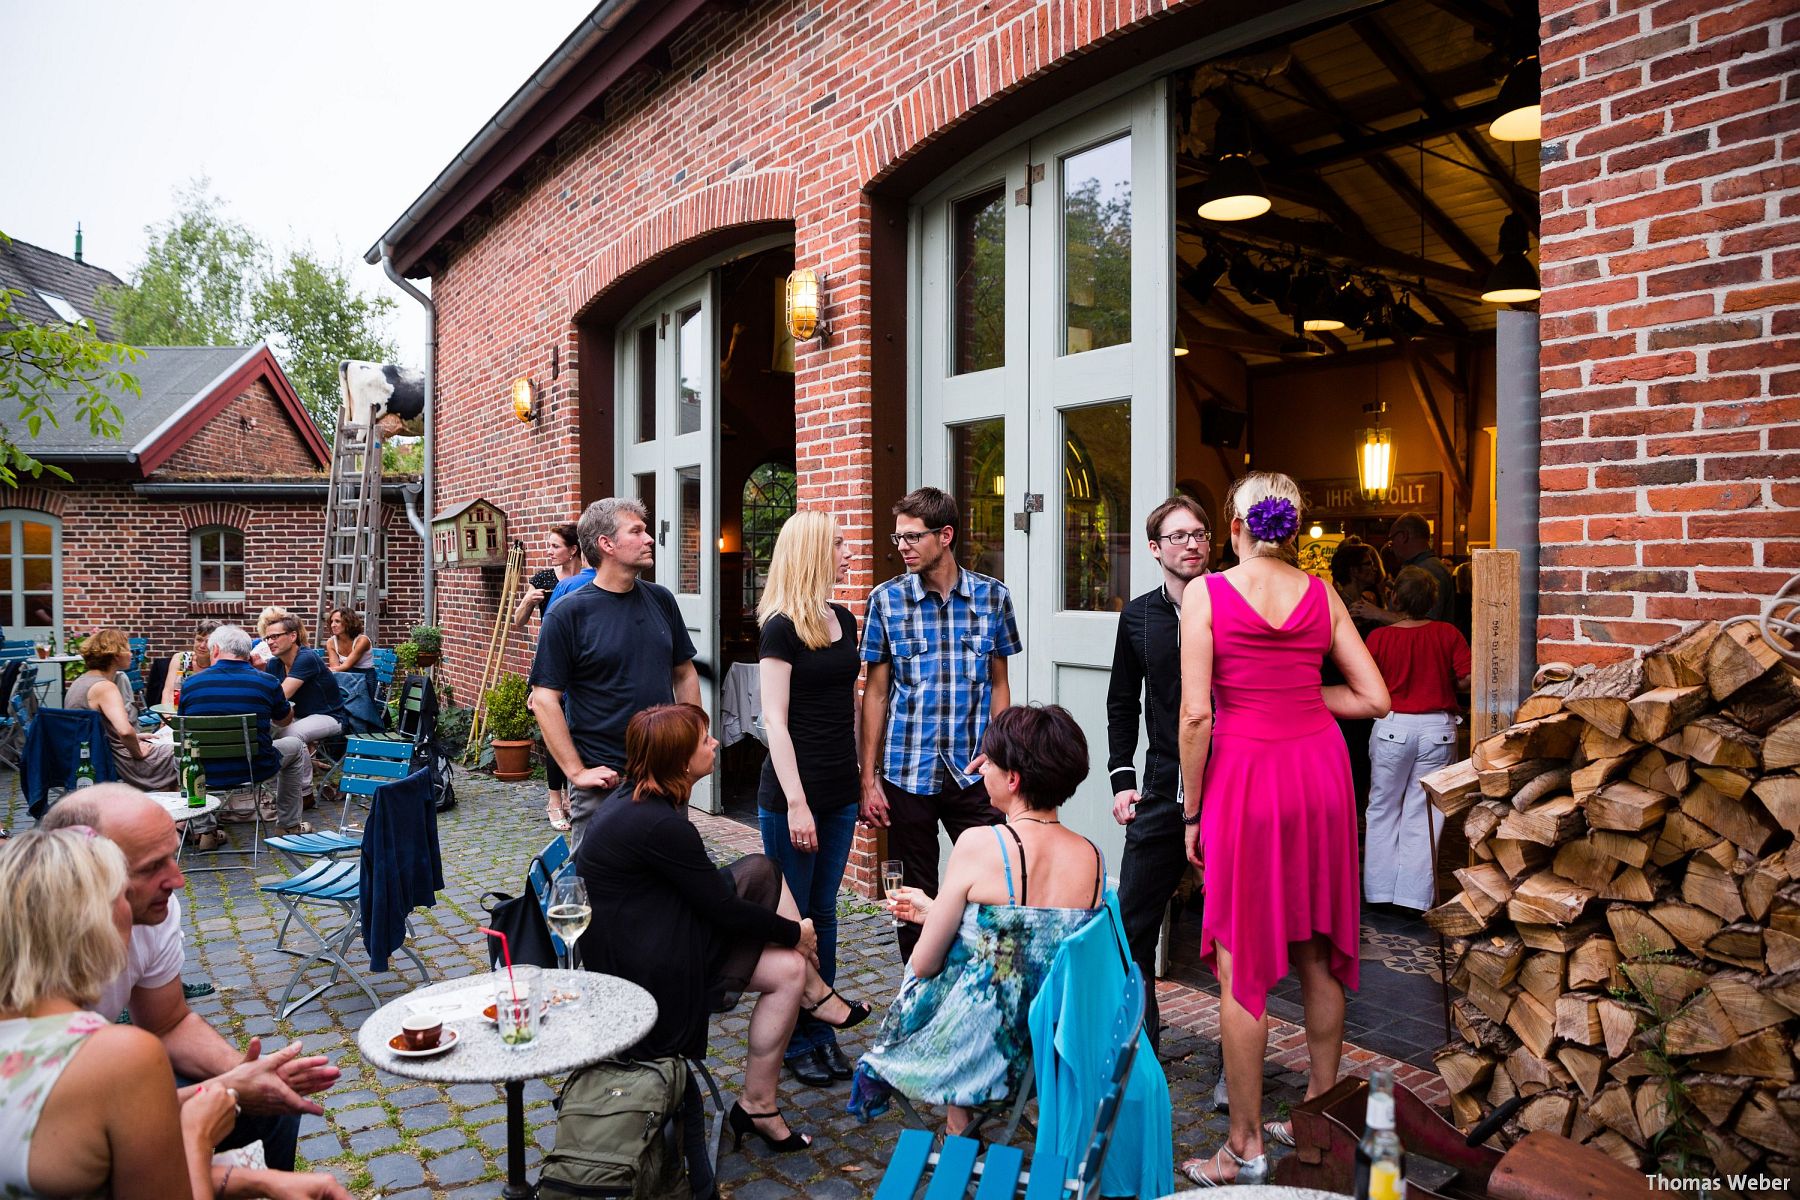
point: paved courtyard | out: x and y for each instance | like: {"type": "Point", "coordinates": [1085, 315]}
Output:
{"type": "Point", "coordinates": [398, 1139]}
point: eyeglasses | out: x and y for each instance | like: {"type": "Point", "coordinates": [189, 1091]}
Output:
{"type": "Point", "coordinates": [1182, 537]}
{"type": "Point", "coordinates": [913, 537]}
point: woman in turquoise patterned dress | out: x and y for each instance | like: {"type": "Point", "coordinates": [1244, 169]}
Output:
{"type": "Point", "coordinates": [957, 1033]}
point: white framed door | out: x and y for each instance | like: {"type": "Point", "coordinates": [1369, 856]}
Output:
{"type": "Point", "coordinates": [31, 574]}
{"type": "Point", "coordinates": [668, 459]}
{"type": "Point", "coordinates": [1046, 391]}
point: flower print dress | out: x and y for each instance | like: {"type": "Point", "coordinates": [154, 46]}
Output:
{"type": "Point", "coordinates": [33, 1053]}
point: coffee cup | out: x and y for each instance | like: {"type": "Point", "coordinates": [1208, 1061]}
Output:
{"type": "Point", "coordinates": [421, 1032]}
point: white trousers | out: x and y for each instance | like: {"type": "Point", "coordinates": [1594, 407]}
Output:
{"type": "Point", "coordinates": [1402, 823]}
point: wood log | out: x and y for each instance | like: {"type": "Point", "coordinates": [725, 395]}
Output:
{"type": "Point", "coordinates": [1761, 706]}
{"type": "Point", "coordinates": [1762, 880]}
{"type": "Point", "coordinates": [1548, 824]}
{"type": "Point", "coordinates": [1500, 1089]}
{"type": "Point", "coordinates": [1716, 742]}
{"type": "Point", "coordinates": [1781, 745]}
{"type": "Point", "coordinates": [1487, 883]}
{"type": "Point", "coordinates": [1744, 823]}
{"type": "Point", "coordinates": [1724, 780]}
{"type": "Point", "coordinates": [1480, 821]}
{"type": "Point", "coordinates": [1495, 960]}
{"type": "Point", "coordinates": [1516, 857]}
{"type": "Point", "coordinates": [1530, 1073]}
{"type": "Point", "coordinates": [1548, 1112]}
{"type": "Point", "coordinates": [1716, 1097]}
{"type": "Point", "coordinates": [1597, 744]}
{"type": "Point", "coordinates": [1495, 1002]}
{"type": "Point", "coordinates": [1453, 788]}
{"type": "Point", "coordinates": [1623, 805]}
{"type": "Point", "coordinates": [1783, 989]}
{"type": "Point", "coordinates": [1713, 888]}
{"type": "Point", "coordinates": [1467, 1111]}
{"type": "Point", "coordinates": [1544, 974]}
{"type": "Point", "coordinates": [1583, 1065]}
{"type": "Point", "coordinates": [1654, 1105]}
{"type": "Point", "coordinates": [1578, 1019]}
{"type": "Point", "coordinates": [1603, 698]}
{"type": "Point", "coordinates": [1765, 1054]}
{"type": "Point", "coordinates": [1700, 1027]}
{"type": "Point", "coordinates": [1663, 984]}
{"type": "Point", "coordinates": [1612, 1108]}
{"type": "Point", "coordinates": [1632, 849]}
{"type": "Point", "coordinates": [1747, 1006]}
{"type": "Point", "coordinates": [1499, 783]}
{"type": "Point", "coordinates": [1618, 1026]}
{"type": "Point", "coordinates": [1779, 796]}
{"type": "Point", "coordinates": [1691, 926]}
{"type": "Point", "coordinates": [1595, 964]}
{"type": "Point", "coordinates": [1559, 938]}
{"type": "Point", "coordinates": [1587, 779]}
{"type": "Point", "coordinates": [1679, 660]}
{"type": "Point", "coordinates": [1534, 1023]}
{"type": "Point", "coordinates": [1458, 917]}
{"type": "Point", "coordinates": [1740, 944]}
{"type": "Point", "coordinates": [1556, 779]}
{"type": "Point", "coordinates": [1730, 1154]}
{"type": "Point", "coordinates": [1636, 1065]}
{"type": "Point", "coordinates": [1635, 884]}
{"type": "Point", "coordinates": [1784, 913]}
{"type": "Point", "coordinates": [1660, 711]}
{"type": "Point", "coordinates": [1548, 899]}
{"type": "Point", "coordinates": [1554, 737]}
{"type": "Point", "coordinates": [1580, 862]}
{"type": "Point", "coordinates": [1661, 771]}
{"type": "Point", "coordinates": [1478, 1030]}
{"type": "Point", "coordinates": [1764, 1122]}
{"type": "Point", "coordinates": [1614, 1146]}
{"type": "Point", "coordinates": [1738, 657]}
{"type": "Point", "coordinates": [1781, 951]}
{"type": "Point", "coordinates": [1721, 854]}
{"type": "Point", "coordinates": [1681, 836]}
{"type": "Point", "coordinates": [1636, 932]}
{"type": "Point", "coordinates": [1546, 701]}
{"type": "Point", "coordinates": [1464, 1070]}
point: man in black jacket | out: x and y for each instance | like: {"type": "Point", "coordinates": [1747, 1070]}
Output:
{"type": "Point", "coordinates": [1147, 663]}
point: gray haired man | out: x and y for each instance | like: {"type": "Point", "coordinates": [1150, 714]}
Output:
{"type": "Point", "coordinates": [605, 652]}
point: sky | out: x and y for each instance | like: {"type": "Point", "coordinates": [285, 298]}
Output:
{"type": "Point", "coordinates": [316, 124]}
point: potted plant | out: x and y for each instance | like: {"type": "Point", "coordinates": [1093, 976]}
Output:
{"type": "Point", "coordinates": [510, 726]}
{"type": "Point", "coordinates": [430, 642]}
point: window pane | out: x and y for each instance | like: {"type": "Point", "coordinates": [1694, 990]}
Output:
{"type": "Point", "coordinates": [978, 475]}
{"type": "Point", "coordinates": [234, 576]}
{"type": "Point", "coordinates": [979, 227]}
{"type": "Point", "coordinates": [768, 502]}
{"type": "Point", "coordinates": [40, 608]}
{"type": "Point", "coordinates": [1096, 507]}
{"type": "Point", "coordinates": [687, 481]}
{"type": "Point", "coordinates": [39, 574]}
{"type": "Point", "coordinates": [209, 545]}
{"type": "Point", "coordinates": [646, 494]}
{"type": "Point", "coordinates": [1096, 226]}
{"type": "Point", "coordinates": [6, 537]}
{"type": "Point", "coordinates": [646, 383]}
{"type": "Point", "coordinates": [231, 544]}
{"type": "Point", "coordinates": [209, 579]}
{"type": "Point", "coordinates": [39, 538]}
{"type": "Point", "coordinates": [692, 348]}
{"type": "Point", "coordinates": [6, 574]}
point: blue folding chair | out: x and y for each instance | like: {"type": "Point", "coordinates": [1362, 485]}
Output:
{"type": "Point", "coordinates": [1003, 1173]}
{"type": "Point", "coordinates": [17, 649]}
{"type": "Point", "coordinates": [551, 863]}
{"type": "Point", "coordinates": [135, 672]}
{"type": "Point", "coordinates": [386, 663]}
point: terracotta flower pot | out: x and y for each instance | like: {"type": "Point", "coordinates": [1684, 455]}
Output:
{"type": "Point", "coordinates": [512, 760]}
{"type": "Point", "coordinates": [427, 659]}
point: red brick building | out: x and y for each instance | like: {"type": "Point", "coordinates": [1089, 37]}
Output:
{"type": "Point", "coordinates": [1001, 200]}
{"type": "Point", "coordinates": [208, 505]}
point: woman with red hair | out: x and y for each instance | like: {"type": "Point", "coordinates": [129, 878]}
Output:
{"type": "Point", "coordinates": [696, 936]}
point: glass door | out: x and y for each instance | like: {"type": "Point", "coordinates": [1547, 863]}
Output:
{"type": "Point", "coordinates": [31, 574]}
{"type": "Point", "coordinates": [668, 460]}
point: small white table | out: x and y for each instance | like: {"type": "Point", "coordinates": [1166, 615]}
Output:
{"type": "Point", "coordinates": [176, 805]}
{"type": "Point", "coordinates": [610, 1018]}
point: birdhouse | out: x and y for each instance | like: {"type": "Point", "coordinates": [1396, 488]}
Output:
{"type": "Point", "coordinates": [473, 534]}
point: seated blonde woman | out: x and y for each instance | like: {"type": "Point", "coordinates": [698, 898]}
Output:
{"type": "Point", "coordinates": [87, 1108]}
{"type": "Point", "coordinates": [142, 761]}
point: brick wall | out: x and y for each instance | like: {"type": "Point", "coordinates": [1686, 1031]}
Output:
{"type": "Point", "coordinates": [253, 429]}
{"type": "Point", "coordinates": [1671, 316]}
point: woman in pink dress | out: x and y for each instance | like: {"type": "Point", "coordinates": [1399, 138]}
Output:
{"type": "Point", "coordinates": [1268, 800]}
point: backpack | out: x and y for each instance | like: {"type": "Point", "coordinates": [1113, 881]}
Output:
{"type": "Point", "coordinates": [618, 1134]}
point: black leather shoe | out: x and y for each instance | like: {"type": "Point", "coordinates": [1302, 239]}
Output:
{"type": "Point", "coordinates": [811, 1070]}
{"type": "Point", "coordinates": [835, 1062]}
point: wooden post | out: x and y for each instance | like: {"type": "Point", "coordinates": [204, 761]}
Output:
{"type": "Point", "coordinates": [1494, 682]}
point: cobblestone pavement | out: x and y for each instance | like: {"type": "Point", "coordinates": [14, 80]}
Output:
{"type": "Point", "coordinates": [399, 1139]}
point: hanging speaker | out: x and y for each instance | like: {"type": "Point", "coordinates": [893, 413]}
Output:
{"type": "Point", "coordinates": [1222, 427]}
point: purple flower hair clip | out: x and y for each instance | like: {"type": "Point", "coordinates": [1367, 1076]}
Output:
{"type": "Point", "coordinates": [1273, 519]}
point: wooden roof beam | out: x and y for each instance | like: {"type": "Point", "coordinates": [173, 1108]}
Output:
{"type": "Point", "coordinates": [1447, 122]}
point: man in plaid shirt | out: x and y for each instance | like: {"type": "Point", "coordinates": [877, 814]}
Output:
{"type": "Point", "coordinates": [936, 640]}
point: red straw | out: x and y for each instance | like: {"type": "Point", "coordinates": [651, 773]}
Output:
{"type": "Point", "coordinates": [506, 953]}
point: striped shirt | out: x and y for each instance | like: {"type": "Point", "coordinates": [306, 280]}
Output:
{"type": "Point", "coordinates": [938, 695]}
{"type": "Point", "coordinates": [228, 687]}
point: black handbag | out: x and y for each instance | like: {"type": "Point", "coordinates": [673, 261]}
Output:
{"type": "Point", "coordinates": [521, 919]}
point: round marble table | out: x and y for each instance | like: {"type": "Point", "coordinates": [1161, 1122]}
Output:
{"type": "Point", "coordinates": [176, 805]}
{"type": "Point", "coordinates": [610, 1018]}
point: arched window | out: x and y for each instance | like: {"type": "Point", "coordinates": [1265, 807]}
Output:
{"type": "Point", "coordinates": [216, 563]}
{"type": "Point", "coordinates": [768, 501]}
{"type": "Point", "coordinates": [30, 572]}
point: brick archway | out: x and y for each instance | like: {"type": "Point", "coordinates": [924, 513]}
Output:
{"type": "Point", "coordinates": [218, 512]}
{"type": "Point", "coordinates": [39, 499]}
{"type": "Point", "coordinates": [762, 198]}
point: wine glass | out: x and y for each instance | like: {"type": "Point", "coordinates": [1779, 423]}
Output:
{"type": "Point", "coordinates": [893, 878]}
{"type": "Point", "coordinates": [568, 914]}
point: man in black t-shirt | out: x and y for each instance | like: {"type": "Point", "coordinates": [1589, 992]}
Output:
{"type": "Point", "coordinates": [607, 651]}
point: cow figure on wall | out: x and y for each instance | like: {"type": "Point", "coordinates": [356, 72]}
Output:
{"type": "Point", "coordinates": [388, 398]}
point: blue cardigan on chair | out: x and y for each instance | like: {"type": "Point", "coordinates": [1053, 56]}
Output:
{"type": "Point", "coordinates": [53, 753]}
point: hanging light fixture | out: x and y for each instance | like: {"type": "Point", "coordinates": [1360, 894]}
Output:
{"type": "Point", "coordinates": [1375, 453]}
{"type": "Point", "coordinates": [1234, 189]}
{"type": "Point", "coordinates": [1513, 280]}
{"type": "Point", "coordinates": [1521, 117]}
{"type": "Point", "coordinates": [1314, 300]}
{"type": "Point", "coordinates": [1301, 346]}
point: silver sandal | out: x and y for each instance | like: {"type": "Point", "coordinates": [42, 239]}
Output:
{"type": "Point", "coordinates": [1250, 1170]}
{"type": "Point", "coordinates": [1279, 1132]}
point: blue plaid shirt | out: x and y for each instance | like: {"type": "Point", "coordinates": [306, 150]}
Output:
{"type": "Point", "coordinates": [939, 651]}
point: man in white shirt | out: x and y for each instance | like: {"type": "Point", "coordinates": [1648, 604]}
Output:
{"type": "Point", "coordinates": [272, 1090]}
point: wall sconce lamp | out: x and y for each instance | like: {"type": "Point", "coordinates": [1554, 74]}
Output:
{"type": "Point", "coordinates": [806, 306]}
{"type": "Point", "coordinates": [524, 400]}
{"type": "Point", "coordinates": [1375, 454]}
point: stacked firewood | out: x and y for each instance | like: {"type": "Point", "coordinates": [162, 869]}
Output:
{"type": "Point", "coordinates": [1626, 941]}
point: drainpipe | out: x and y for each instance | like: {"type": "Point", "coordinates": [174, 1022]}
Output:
{"type": "Point", "coordinates": [423, 521]}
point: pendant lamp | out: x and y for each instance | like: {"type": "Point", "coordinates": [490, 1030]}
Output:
{"type": "Point", "coordinates": [1513, 280]}
{"type": "Point", "coordinates": [1521, 117]}
{"type": "Point", "coordinates": [1375, 454]}
{"type": "Point", "coordinates": [1234, 189]}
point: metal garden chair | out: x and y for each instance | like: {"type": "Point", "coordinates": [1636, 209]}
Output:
{"type": "Point", "coordinates": [215, 741]}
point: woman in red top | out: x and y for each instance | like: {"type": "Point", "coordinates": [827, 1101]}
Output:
{"type": "Point", "coordinates": [1425, 664]}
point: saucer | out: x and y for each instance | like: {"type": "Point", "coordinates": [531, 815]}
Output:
{"type": "Point", "coordinates": [445, 1041]}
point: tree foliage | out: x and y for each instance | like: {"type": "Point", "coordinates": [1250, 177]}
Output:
{"type": "Point", "coordinates": [208, 281]}
{"type": "Point", "coordinates": [42, 364]}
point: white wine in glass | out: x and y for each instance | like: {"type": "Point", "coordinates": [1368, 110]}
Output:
{"type": "Point", "coordinates": [569, 913]}
{"type": "Point", "coordinates": [893, 878]}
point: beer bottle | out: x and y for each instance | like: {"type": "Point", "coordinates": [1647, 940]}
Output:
{"type": "Point", "coordinates": [84, 770]}
{"type": "Point", "coordinates": [1378, 1170]}
{"type": "Point", "coordinates": [193, 786]}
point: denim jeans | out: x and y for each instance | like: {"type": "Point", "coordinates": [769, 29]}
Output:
{"type": "Point", "coordinates": [814, 879]}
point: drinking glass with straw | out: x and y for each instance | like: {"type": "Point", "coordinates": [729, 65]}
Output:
{"type": "Point", "coordinates": [514, 1013]}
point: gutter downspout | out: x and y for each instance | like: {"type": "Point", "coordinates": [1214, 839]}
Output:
{"type": "Point", "coordinates": [422, 521]}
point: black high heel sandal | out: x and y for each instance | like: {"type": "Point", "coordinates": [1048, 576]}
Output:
{"type": "Point", "coordinates": [743, 1122]}
{"type": "Point", "coordinates": [859, 1012]}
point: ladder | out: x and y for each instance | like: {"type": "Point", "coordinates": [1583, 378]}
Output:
{"type": "Point", "coordinates": [352, 528]}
